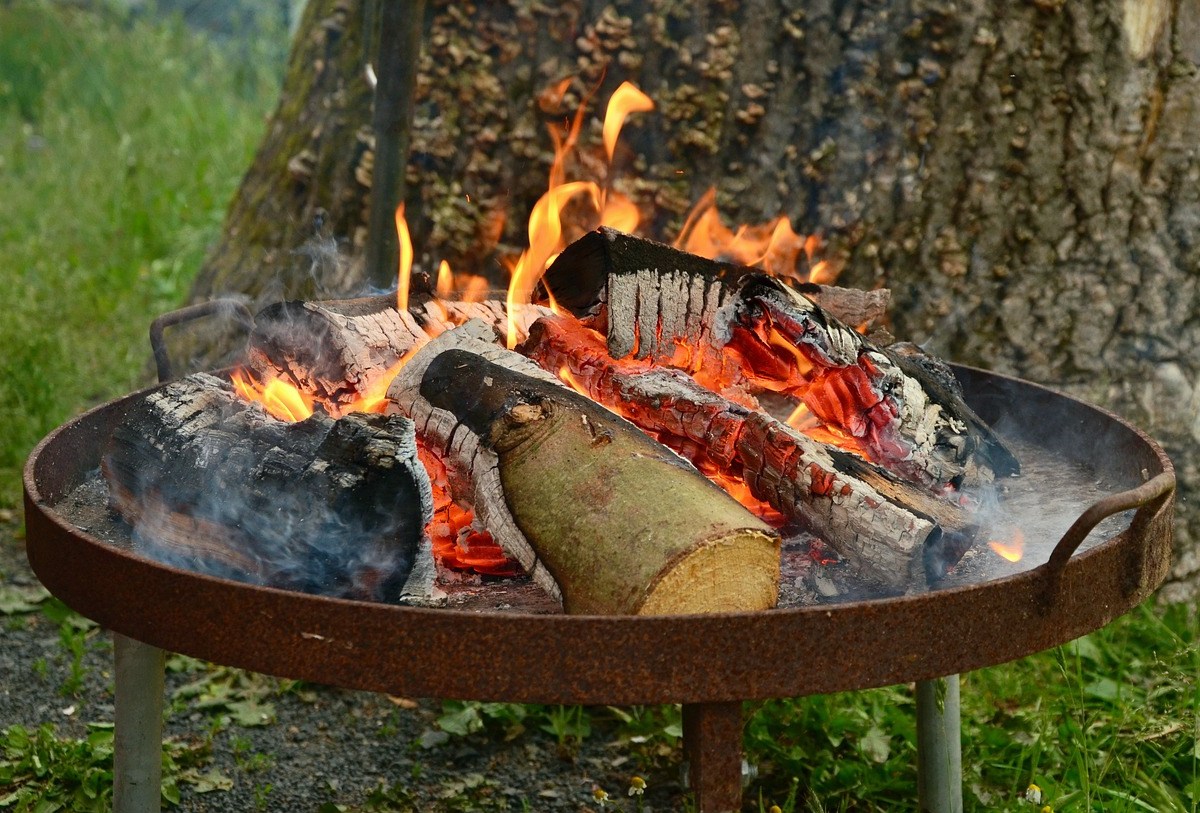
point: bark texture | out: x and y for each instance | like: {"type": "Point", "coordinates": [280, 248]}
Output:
{"type": "Point", "coordinates": [1024, 176]}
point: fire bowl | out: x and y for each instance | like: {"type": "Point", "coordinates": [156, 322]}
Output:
{"type": "Point", "coordinates": [719, 658]}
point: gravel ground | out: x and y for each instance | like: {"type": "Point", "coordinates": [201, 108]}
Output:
{"type": "Point", "coordinates": [320, 745]}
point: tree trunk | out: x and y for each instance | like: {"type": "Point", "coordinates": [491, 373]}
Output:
{"type": "Point", "coordinates": [1022, 175]}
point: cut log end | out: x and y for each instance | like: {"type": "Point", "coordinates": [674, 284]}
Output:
{"type": "Point", "coordinates": [734, 572]}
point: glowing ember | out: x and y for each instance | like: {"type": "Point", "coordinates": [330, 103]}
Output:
{"type": "Point", "coordinates": [281, 399]}
{"type": "Point", "coordinates": [404, 274]}
{"type": "Point", "coordinates": [1012, 550]}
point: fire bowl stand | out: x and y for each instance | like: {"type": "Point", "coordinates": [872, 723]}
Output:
{"type": "Point", "coordinates": [709, 663]}
{"type": "Point", "coordinates": [712, 735]}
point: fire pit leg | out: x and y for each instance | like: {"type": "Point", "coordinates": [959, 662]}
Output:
{"type": "Point", "coordinates": [939, 746]}
{"type": "Point", "coordinates": [137, 750]}
{"type": "Point", "coordinates": [712, 746]}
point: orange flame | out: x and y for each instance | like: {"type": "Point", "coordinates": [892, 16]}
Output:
{"type": "Point", "coordinates": [404, 274]}
{"type": "Point", "coordinates": [445, 280]}
{"type": "Point", "coordinates": [374, 397]}
{"type": "Point", "coordinates": [279, 398]}
{"type": "Point", "coordinates": [625, 100]}
{"type": "Point", "coordinates": [545, 230]}
{"type": "Point", "coordinates": [1012, 550]}
{"type": "Point", "coordinates": [773, 246]}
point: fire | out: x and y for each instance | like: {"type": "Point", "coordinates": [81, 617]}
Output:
{"type": "Point", "coordinates": [546, 233]}
{"type": "Point", "coordinates": [625, 100]}
{"type": "Point", "coordinates": [567, 208]}
{"type": "Point", "coordinates": [404, 273]}
{"type": "Point", "coordinates": [280, 398]}
{"type": "Point", "coordinates": [1011, 550]}
{"type": "Point", "coordinates": [773, 246]}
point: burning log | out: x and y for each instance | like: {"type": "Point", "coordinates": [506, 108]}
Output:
{"type": "Point", "coordinates": [599, 514]}
{"type": "Point", "coordinates": [342, 352]}
{"type": "Point", "coordinates": [650, 300]}
{"type": "Point", "coordinates": [212, 483]}
{"type": "Point", "coordinates": [334, 350]}
{"type": "Point", "coordinates": [889, 529]}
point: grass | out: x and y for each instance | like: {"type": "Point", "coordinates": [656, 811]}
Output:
{"type": "Point", "coordinates": [120, 144]}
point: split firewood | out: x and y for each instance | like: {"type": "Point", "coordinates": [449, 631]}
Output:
{"type": "Point", "coordinates": [600, 515]}
{"type": "Point", "coordinates": [211, 483]}
{"type": "Point", "coordinates": [888, 529]}
{"type": "Point", "coordinates": [343, 352]}
{"type": "Point", "coordinates": [656, 302]}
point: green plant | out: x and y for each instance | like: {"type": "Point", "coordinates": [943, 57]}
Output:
{"type": "Point", "coordinates": [121, 140]}
{"type": "Point", "coordinates": [570, 726]}
{"type": "Point", "coordinates": [41, 772]}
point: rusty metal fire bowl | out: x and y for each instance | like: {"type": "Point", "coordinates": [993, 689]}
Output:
{"type": "Point", "coordinates": [706, 661]}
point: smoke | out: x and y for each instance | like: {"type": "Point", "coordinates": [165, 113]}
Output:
{"type": "Point", "coordinates": [215, 486]}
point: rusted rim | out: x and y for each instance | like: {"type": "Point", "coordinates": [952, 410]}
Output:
{"type": "Point", "coordinates": [589, 659]}
{"type": "Point", "coordinates": [162, 359]}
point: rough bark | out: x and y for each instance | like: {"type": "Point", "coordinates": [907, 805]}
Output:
{"type": "Point", "coordinates": [1022, 175]}
{"type": "Point", "coordinates": [600, 515]}
{"type": "Point", "coordinates": [211, 483]}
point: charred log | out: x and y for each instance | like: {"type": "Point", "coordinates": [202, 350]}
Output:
{"type": "Point", "coordinates": [335, 350]}
{"type": "Point", "coordinates": [599, 514]}
{"type": "Point", "coordinates": [212, 483]}
{"type": "Point", "coordinates": [887, 528]}
{"type": "Point", "coordinates": [650, 299]}
{"type": "Point", "coordinates": [342, 351]}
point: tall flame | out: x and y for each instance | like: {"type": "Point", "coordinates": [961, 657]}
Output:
{"type": "Point", "coordinates": [546, 234]}
{"type": "Point", "coordinates": [625, 100]}
{"type": "Point", "coordinates": [404, 272]}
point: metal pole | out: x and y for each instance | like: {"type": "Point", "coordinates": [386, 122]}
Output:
{"type": "Point", "coordinates": [712, 746]}
{"type": "Point", "coordinates": [137, 746]}
{"type": "Point", "coordinates": [400, 26]}
{"type": "Point", "coordinates": [939, 746]}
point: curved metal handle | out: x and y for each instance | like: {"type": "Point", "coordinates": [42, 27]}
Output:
{"type": "Point", "coordinates": [1146, 497]}
{"type": "Point", "coordinates": [162, 360]}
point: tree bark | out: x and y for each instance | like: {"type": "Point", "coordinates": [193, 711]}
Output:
{"type": "Point", "coordinates": [1023, 176]}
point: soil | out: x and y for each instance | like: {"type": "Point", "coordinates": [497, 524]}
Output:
{"type": "Point", "coordinates": [323, 748]}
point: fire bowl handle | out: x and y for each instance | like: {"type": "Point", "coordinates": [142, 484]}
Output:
{"type": "Point", "coordinates": [1146, 498]}
{"type": "Point", "coordinates": [232, 307]}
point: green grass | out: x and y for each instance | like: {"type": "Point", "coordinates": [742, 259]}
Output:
{"type": "Point", "coordinates": [121, 142]}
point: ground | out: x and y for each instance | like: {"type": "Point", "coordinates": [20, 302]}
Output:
{"type": "Point", "coordinates": [261, 743]}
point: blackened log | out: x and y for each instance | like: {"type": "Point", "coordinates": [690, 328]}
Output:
{"type": "Point", "coordinates": [649, 299]}
{"type": "Point", "coordinates": [887, 528]}
{"type": "Point", "coordinates": [600, 515]}
{"type": "Point", "coordinates": [212, 483]}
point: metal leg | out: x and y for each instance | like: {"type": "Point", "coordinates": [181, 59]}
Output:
{"type": "Point", "coordinates": [939, 746]}
{"type": "Point", "coordinates": [137, 750]}
{"type": "Point", "coordinates": [712, 746]}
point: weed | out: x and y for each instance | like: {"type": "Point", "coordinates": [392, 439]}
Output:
{"type": "Point", "coordinates": [41, 772]}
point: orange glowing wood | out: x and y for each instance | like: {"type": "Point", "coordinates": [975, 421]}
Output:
{"type": "Point", "coordinates": [889, 529]}
{"type": "Point", "coordinates": [598, 513]}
